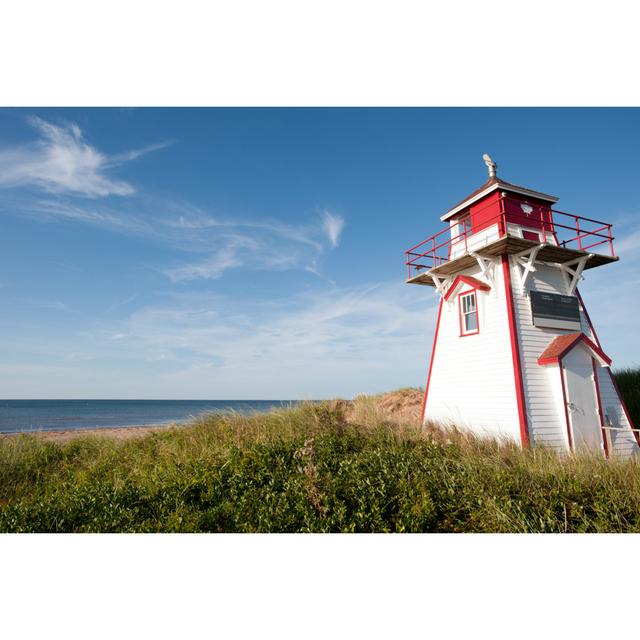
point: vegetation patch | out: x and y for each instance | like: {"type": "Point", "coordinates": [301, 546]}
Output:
{"type": "Point", "coordinates": [335, 466]}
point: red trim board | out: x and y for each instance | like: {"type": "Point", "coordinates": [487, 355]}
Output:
{"type": "Point", "coordinates": [433, 355]}
{"type": "Point", "coordinates": [470, 280]}
{"type": "Point", "coordinates": [515, 353]}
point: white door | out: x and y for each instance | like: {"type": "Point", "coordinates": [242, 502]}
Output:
{"type": "Point", "coordinates": [582, 402]}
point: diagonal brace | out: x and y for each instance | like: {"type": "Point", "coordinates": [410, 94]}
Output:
{"type": "Point", "coordinates": [487, 267]}
{"type": "Point", "coordinates": [526, 261]}
{"type": "Point", "coordinates": [442, 284]}
{"type": "Point", "coordinates": [574, 275]}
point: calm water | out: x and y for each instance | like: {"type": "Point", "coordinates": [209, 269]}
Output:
{"type": "Point", "coordinates": [51, 415]}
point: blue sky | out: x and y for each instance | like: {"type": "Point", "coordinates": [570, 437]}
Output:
{"type": "Point", "coordinates": [258, 253]}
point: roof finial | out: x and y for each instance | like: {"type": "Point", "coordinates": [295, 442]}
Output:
{"type": "Point", "coordinates": [491, 165]}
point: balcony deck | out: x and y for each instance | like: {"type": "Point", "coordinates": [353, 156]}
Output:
{"type": "Point", "coordinates": [510, 245]}
{"type": "Point", "coordinates": [569, 237]}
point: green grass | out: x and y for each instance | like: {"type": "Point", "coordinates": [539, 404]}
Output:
{"type": "Point", "coordinates": [307, 469]}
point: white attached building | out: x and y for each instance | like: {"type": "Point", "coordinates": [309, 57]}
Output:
{"type": "Point", "coordinates": [514, 352]}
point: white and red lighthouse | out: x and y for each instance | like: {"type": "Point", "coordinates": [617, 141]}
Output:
{"type": "Point", "coordinates": [515, 354]}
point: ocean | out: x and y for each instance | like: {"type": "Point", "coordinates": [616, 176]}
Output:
{"type": "Point", "coordinates": [58, 415]}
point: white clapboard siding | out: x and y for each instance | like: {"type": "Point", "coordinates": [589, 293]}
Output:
{"type": "Point", "coordinates": [545, 416]}
{"type": "Point", "coordinates": [545, 410]}
{"type": "Point", "coordinates": [472, 382]}
{"type": "Point", "coordinates": [474, 242]}
{"type": "Point", "coordinates": [518, 231]}
{"type": "Point", "coordinates": [624, 442]}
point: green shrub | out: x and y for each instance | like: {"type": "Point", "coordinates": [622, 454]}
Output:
{"type": "Point", "coordinates": [629, 383]}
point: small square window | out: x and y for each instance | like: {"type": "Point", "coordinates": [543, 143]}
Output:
{"type": "Point", "coordinates": [468, 313]}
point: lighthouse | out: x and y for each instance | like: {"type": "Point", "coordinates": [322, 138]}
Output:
{"type": "Point", "coordinates": [515, 354]}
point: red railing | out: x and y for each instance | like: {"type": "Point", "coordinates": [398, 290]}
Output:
{"type": "Point", "coordinates": [573, 232]}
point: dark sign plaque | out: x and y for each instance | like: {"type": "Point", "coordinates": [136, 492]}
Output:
{"type": "Point", "coordinates": [555, 311]}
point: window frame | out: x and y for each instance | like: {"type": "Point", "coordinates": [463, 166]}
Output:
{"type": "Point", "coordinates": [463, 333]}
{"type": "Point", "coordinates": [462, 225]}
{"type": "Point", "coordinates": [533, 235]}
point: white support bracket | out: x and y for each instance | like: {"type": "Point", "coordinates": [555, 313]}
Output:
{"type": "Point", "coordinates": [525, 260]}
{"type": "Point", "coordinates": [573, 275]}
{"type": "Point", "coordinates": [442, 284]}
{"type": "Point", "coordinates": [487, 267]}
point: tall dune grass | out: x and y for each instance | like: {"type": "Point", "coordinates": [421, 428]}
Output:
{"type": "Point", "coordinates": [333, 466]}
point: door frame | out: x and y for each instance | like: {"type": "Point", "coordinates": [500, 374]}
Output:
{"type": "Point", "coordinates": [570, 436]}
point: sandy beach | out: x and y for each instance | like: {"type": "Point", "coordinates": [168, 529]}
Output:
{"type": "Point", "coordinates": [115, 433]}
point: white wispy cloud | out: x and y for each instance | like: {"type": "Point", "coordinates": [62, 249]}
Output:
{"type": "Point", "coordinates": [121, 303]}
{"type": "Point", "coordinates": [62, 161]}
{"type": "Point", "coordinates": [628, 244]}
{"type": "Point", "coordinates": [329, 342]}
{"type": "Point", "coordinates": [333, 225]}
{"type": "Point", "coordinates": [256, 245]}
{"type": "Point", "coordinates": [62, 210]}
{"type": "Point", "coordinates": [226, 257]}
{"type": "Point", "coordinates": [210, 245]}
{"type": "Point", "coordinates": [193, 220]}
{"type": "Point", "coordinates": [253, 253]}
{"type": "Point", "coordinates": [134, 154]}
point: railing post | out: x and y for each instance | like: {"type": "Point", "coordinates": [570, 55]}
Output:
{"type": "Point", "coordinates": [578, 233]}
{"type": "Point", "coordinates": [610, 241]}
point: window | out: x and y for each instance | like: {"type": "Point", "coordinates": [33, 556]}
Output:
{"type": "Point", "coordinates": [468, 313]}
{"type": "Point", "coordinates": [462, 227]}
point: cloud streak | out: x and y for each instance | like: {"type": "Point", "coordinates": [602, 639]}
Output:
{"type": "Point", "coordinates": [213, 345]}
{"type": "Point", "coordinates": [208, 246]}
{"type": "Point", "coordinates": [628, 245]}
{"type": "Point", "coordinates": [226, 257]}
{"type": "Point", "coordinates": [257, 245]}
{"type": "Point", "coordinates": [332, 225]}
{"type": "Point", "coordinates": [62, 161]}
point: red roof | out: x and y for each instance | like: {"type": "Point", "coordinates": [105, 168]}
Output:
{"type": "Point", "coordinates": [561, 345]}
{"type": "Point", "coordinates": [480, 189]}
{"type": "Point", "coordinates": [470, 280]}
{"type": "Point", "coordinates": [498, 183]}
